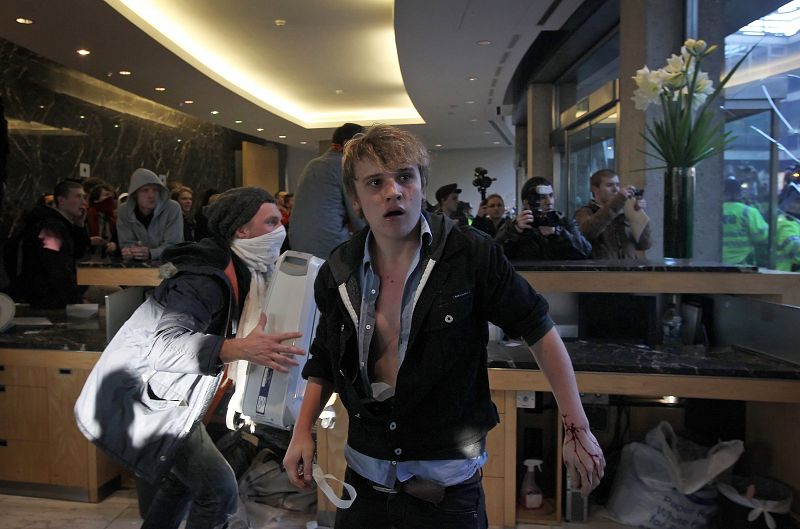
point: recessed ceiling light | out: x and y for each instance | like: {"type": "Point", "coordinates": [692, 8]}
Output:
{"type": "Point", "coordinates": [303, 142]}
{"type": "Point", "coordinates": [282, 136]}
{"type": "Point", "coordinates": [487, 132]}
{"type": "Point", "coordinates": [339, 92]}
{"type": "Point", "coordinates": [496, 142]}
{"type": "Point", "coordinates": [260, 129]}
{"type": "Point", "coordinates": [124, 72]}
{"type": "Point", "coordinates": [238, 121]}
{"type": "Point", "coordinates": [438, 145]}
{"type": "Point", "coordinates": [25, 21]}
{"type": "Point", "coordinates": [83, 117]}
{"type": "Point", "coordinates": [41, 106]}
{"type": "Point", "coordinates": [474, 120]}
{"type": "Point", "coordinates": [470, 102]}
{"type": "Point", "coordinates": [179, 140]}
{"type": "Point", "coordinates": [189, 102]}
{"type": "Point", "coordinates": [160, 89]}
{"type": "Point", "coordinates": [280, 22]}
{"type": "Point", "coordinates": [215, 112]}
{"type": "Point", "coordinates": [484, 43]}
{"type": "Point", "coordinates": [472, 78]}
{"type": "Point", "coordinates": [116, 126]}
{"type": "Point", "coordinates": [83, 52]}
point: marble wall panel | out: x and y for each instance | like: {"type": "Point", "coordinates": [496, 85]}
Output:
{"type": "Point", "coordinates": [93, 122]}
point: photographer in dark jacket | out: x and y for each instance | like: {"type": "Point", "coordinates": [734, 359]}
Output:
{"type": "Point", "coordinates": [540, 232]}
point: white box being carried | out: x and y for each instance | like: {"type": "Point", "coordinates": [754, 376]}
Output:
{"type": "Point", "coordinates": [264, 395]}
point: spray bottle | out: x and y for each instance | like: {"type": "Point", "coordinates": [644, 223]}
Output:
{"type": "Point", "coordinates": [530, 495]}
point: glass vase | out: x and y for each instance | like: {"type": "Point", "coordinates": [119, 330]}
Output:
{"type": "Point", "coordinates": [679, 212]}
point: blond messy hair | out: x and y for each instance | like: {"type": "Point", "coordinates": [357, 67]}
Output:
{"type": "Point", "coordinates": [389, 148]}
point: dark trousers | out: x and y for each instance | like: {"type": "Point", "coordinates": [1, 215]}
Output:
{"type": "Point", "coordinates": [463, 507]}
{"type": "Point", "coordinates": [201, 483]}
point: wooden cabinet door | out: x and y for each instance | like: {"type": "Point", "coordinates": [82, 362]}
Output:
{"type": "Point", "coordinates": [24, 461]}
{"type": "Point", "coordinates": [23, 413]}
{"type": "Point", "coordinates": [69, 450]}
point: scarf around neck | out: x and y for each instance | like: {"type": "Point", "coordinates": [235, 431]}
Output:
{"type": "Point", "coordinates": [259, 255]}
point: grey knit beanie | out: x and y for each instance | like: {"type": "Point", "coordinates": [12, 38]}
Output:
{"type": "Point", "coordinates": [234, 208]}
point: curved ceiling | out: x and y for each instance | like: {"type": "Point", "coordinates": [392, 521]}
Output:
{"type": "Point", "coordinates": [352, 60]}
{"type": "Point", "coordinates": [312, 65]}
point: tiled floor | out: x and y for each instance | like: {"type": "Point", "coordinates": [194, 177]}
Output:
{"type": "Point", "coordinates": [120, 511]}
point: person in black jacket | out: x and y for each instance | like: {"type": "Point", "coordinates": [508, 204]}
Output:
{"type": "Point", "coordinates": [52, 240]}
{"type": "Point", "coordinates": [540, 232]}
{"type": "Point", "coordinates": [402, 339]}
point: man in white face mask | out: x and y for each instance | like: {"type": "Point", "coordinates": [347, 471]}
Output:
{"type": "Point", "coordinates": [145, 400]}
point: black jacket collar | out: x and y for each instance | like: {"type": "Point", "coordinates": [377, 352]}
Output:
{"type": "Point", "coordinates": [346, 258]}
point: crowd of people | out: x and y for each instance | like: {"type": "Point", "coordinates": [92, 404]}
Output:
{"type": "Point", "coordinates": [88, 220]}
{"type": "Point", "coordinates": [404, 297]}
{"type": "Point", "coordinates": [425, 289]}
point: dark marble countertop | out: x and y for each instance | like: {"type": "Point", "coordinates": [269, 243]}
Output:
{"type": "Point", "coordinates": [606, 357]}
{"type": "Point", "coordinates": [88, 334]}
{"type": "Point", "coordinates": [65, 334]}
{"type": "Point", "coordinates": [664, 265]}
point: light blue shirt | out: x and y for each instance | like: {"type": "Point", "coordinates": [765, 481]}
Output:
{"type": "Point", "coordinates": [447, 472]}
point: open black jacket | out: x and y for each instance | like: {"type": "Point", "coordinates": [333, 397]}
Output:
{"type": "Point", "coordinates": [442, 407]}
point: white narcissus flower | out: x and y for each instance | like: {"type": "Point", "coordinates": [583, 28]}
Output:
{"type": "Point", "coordinates": [650, 84]}
{"type": "Point", "coordinates": [675, 64]}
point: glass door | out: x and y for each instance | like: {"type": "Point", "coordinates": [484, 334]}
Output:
{"type": "Point", "coordinates": [589, 147]}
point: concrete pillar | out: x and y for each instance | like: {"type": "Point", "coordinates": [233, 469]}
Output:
{"type": "Point", "coordinates": [650, 31]}
{"type": "Point", "coordinates": [710, 177]}
{"type": "Point", "coordinates": [540, 124]}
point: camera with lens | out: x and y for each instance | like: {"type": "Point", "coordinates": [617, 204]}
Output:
{"type": "Point", "coordinates": [638, 193]}
{"type": "Point", "coordinates": [482, 181]}
{"type": "Point", "coordinates": [544, 218]}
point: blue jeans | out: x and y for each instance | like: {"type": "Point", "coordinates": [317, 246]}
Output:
{"type": "Point", "coordinates": [463, 507]}
{"type": "Point", "coordinates": [200, 481]}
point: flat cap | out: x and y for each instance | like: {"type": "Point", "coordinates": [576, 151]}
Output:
{"type": "Point", "coordinates": [444, 191]}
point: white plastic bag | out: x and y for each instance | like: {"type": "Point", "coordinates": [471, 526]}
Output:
{"type": "Point", "coordinates": [663, 484]}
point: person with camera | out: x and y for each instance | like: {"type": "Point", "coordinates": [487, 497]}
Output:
{"type": "Point", "coordinates": [540, 232]}
{"type": "Point", "coordinates": [491, 215]}
{"type": "Point", "coordinates": [614, 221]}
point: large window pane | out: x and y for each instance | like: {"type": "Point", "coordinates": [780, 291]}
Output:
{"type": "Point", "coordinates": [763, 103]}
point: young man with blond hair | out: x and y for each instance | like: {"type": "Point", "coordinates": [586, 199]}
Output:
{"type": "Point", "coordinates": [402, 339]}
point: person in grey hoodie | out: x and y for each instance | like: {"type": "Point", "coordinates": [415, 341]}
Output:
{"type": "Point", "coordinates": [149, 221]}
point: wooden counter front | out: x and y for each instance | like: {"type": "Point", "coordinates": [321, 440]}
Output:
{"type": "Point", "coordinates": [770, 285]}
{"type": "Point", "coordinates": [43, 453]}
{"type": "Point", "coordinates": [115, 276]}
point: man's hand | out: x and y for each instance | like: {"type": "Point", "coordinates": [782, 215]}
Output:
{"type": "Point", "coordinates": [583, 457]}
{"type": "Point", "coordinates": [617, 202]}
{"type": "Point", "coordinates": [95, 240]}
{"type": "Point", "coordinates": [262, 348]}
{"type": "Point", "coordinates": [547, 230]}
{"type": "Point", "coordinates": [136, 251]}
{"type": "Point", "coordinates": [483, 210]}
{"type": "Point", "coordinates": [299, 459]}
{"type": "Point", "coordinates": [641, 203]}
{"type": "Point", "coordinates": [524, 220]}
